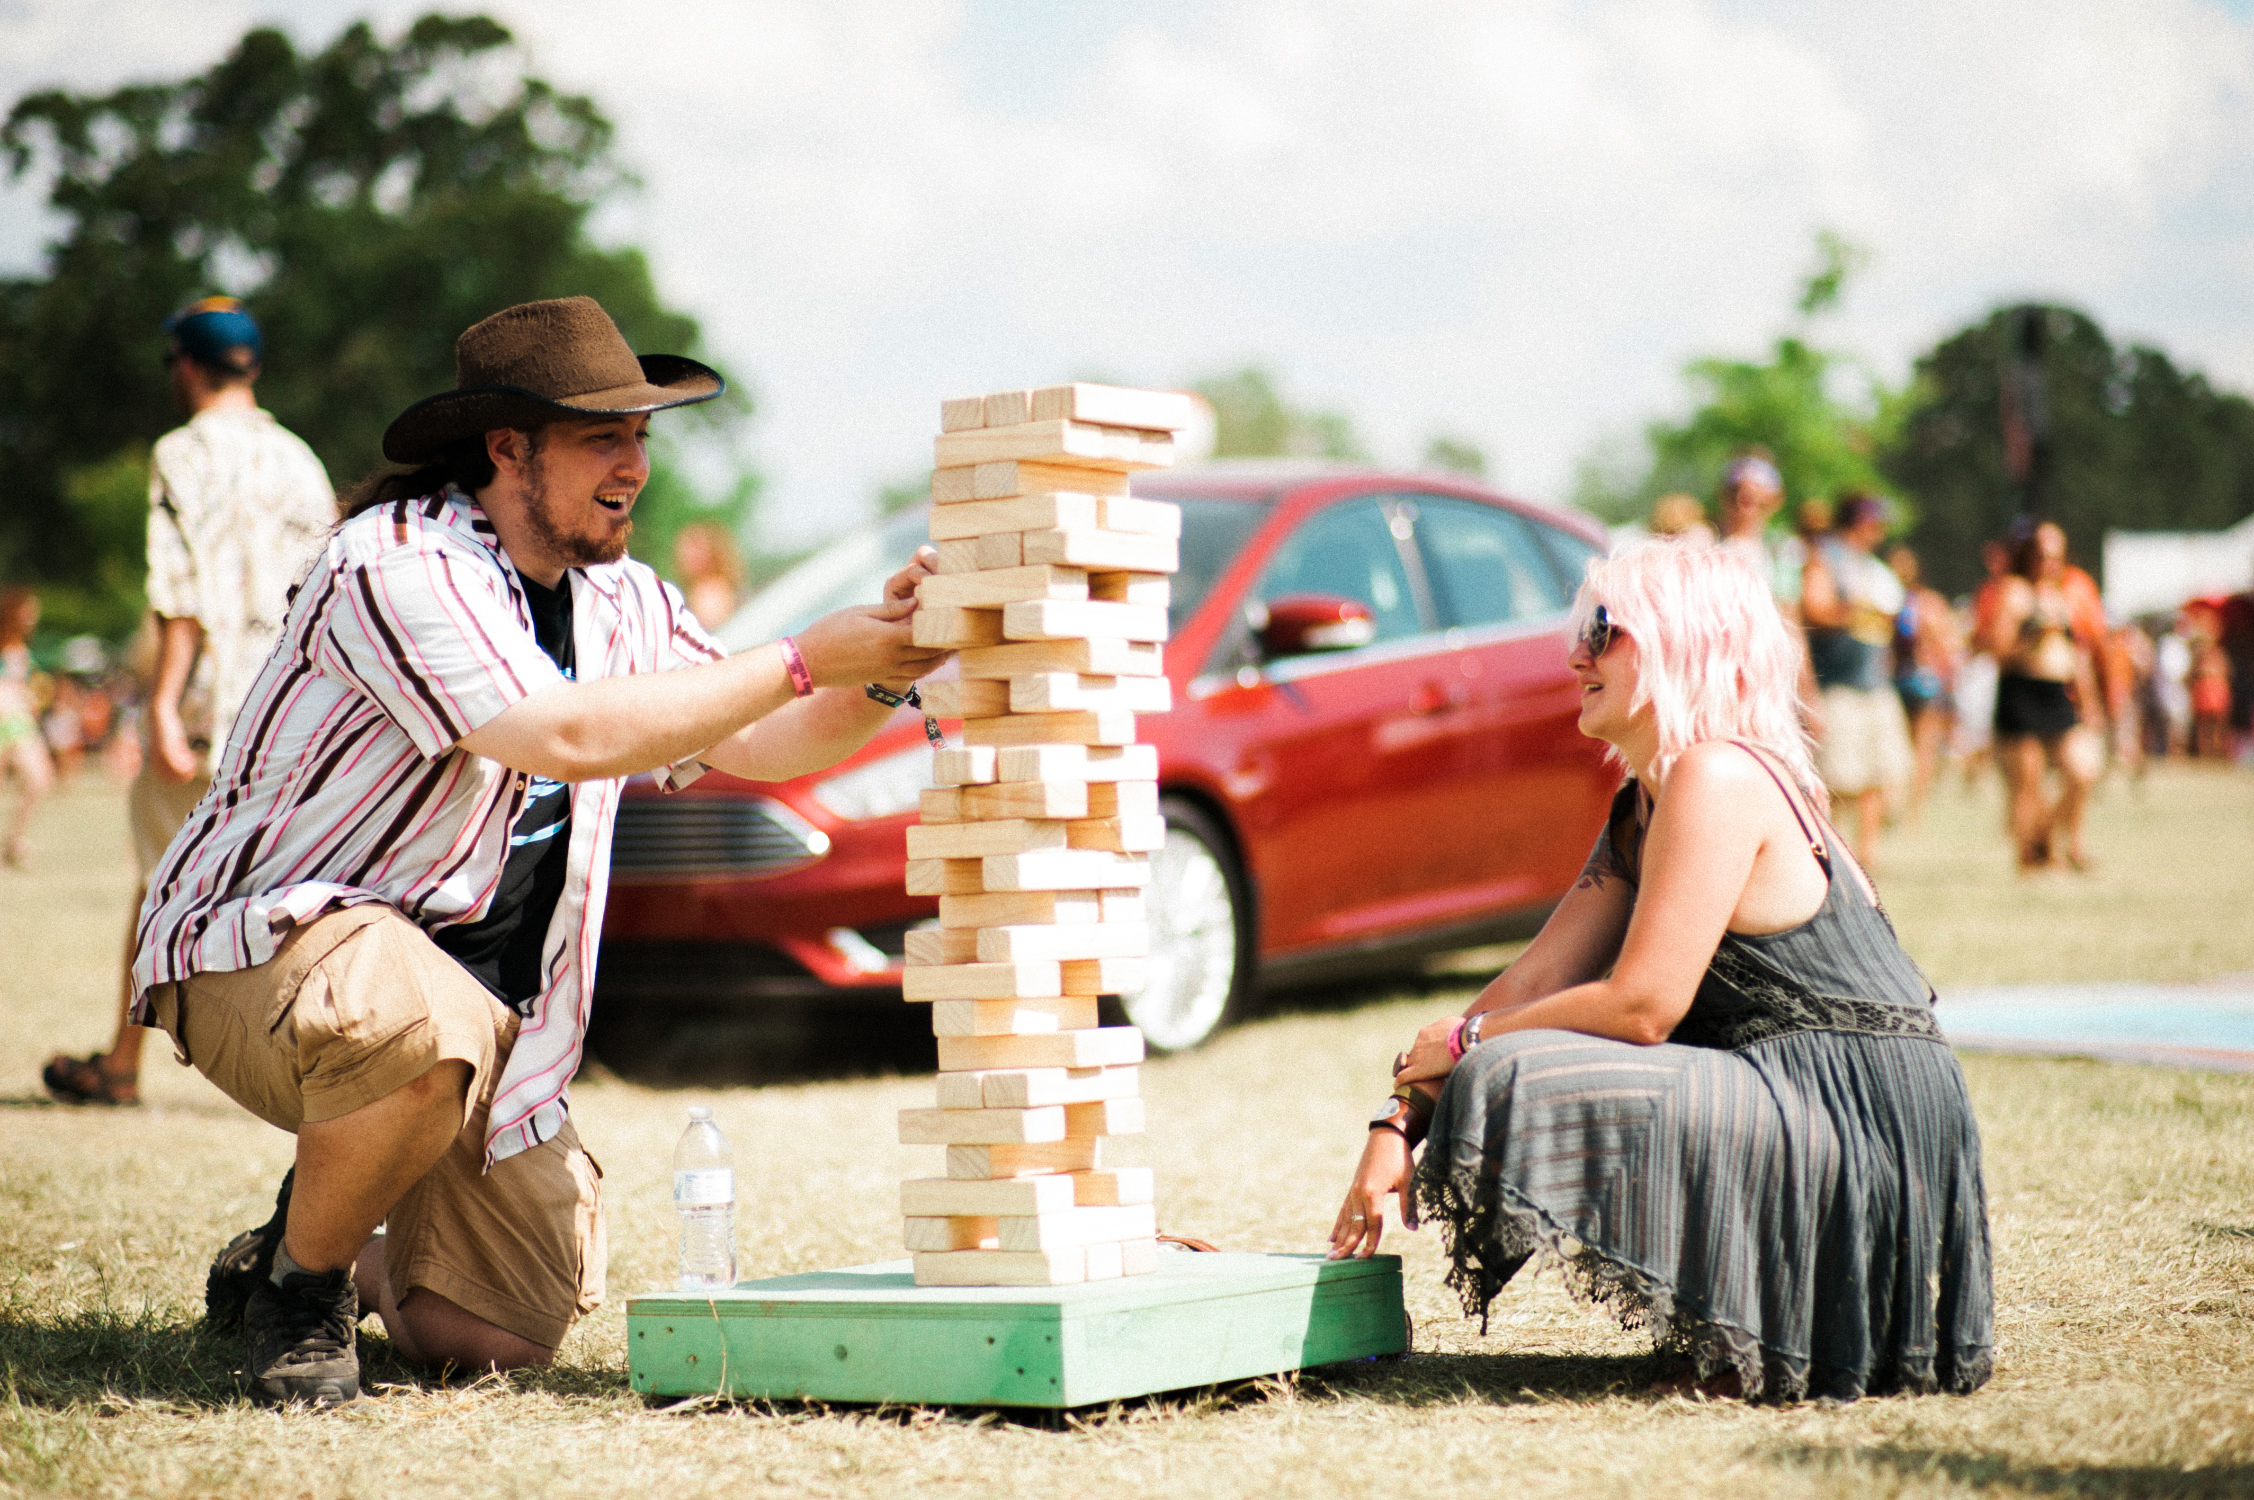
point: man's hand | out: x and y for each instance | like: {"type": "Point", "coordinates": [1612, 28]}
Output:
{"type": "Point", "coordinates": [176, 760]}
{"type": "Point", "coordinates": [179, 638]}
{"type": "Point", "coordinates": [872, 643]}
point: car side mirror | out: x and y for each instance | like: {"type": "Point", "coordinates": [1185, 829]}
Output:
{"type": "Point", "coordinates": [1300, 624]}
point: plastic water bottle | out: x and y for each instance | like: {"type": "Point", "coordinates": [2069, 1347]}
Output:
{"type": "Point", "coordinates": [704, 1190]}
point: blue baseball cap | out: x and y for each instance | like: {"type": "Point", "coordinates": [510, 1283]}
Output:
{"type": "Point", "coordinates": [208, 331]}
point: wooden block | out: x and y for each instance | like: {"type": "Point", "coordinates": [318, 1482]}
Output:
{"type": "Point", "coordinates": [1120, 835]}
{"type": "Point", "coordinates": [1001, 549]}
{"type": "Point", "coordinates": [1105, 1263]}
{"type": "Point", "coordinates": [963, 1233]}
{"type": "Point", "coordinates": [945, 945]}
{"type": "Point", "coordinates": [1104, 1047]}
{"type": "Point", "coordinates": [940, 804]}
{"type": "Point", "coordinates": [949, 486]}
{"type": "Point", "coordinates": [1061, 443]}
{"type": "Point", "coordinates": [1001, 481]}
{"type": "Point", "coordinates": [1106, 726]}
{"type": "Point", "coordinates": [1024, 1088]}
{"type": "Point", "coordinates": [997, 587]}
{"type": "Point", "coordinates": [1130, 588]}
{"type": "Point", "coordinates": [1103, 1117]}
{"type": "Point", "coordinates": [1097, 658]}
{"type": "Point", "coordinates": [1062, 510]}
{"type": "Point", "coordinates": [1008, 409]}
{"type": "Point", "coordinates": [1114, 406]}
{"type": "Point", "coordinates": [955, 629]}
{"type": "Point", "coordinates": [1111, 1187]}
{"type": "Point", "coordinates": [1058, 692]}
{"type": "Point", "coordinates": [1012, 1017]}
{"type": "Point", "coordinates": [1026, 799]}
{"type": "Point", "coordinates": [1018, 944]}
{"type": "Point", "coordinates": [1078, 1226]}
{"type": "Point", "coordinates": [976, 699]}
{"type": "Point", "coordinates": [958, 556]}
{"type": "Point", "coordinates": [1111, 550]}
{"type": "Point", "coordinates": [1005, 908]}
{"type": "Point", "coordinates": [1102, 976]}
{"type": "Point", "coordinates": [965, 412]}
{"type": "Point", "coordinates": [1119, 799]}
{"type": "Point", "coordinates": [963, 765]}
{"type": "Point", "coordinates": [1067, 1267]}
{"type": "Point", "coordinates": [1118, 906]}
{"type": "Point", "coordinates": [1063, 870]}
{"type": "Point", "coordinates": [922, 1197]}
{"type": "Point", "coordinates": [1077, 763]}
{"type": "Point", "coordinates": [1004, 1160]}
{"type": "Point", "coordinates": [962, 1091]}
{"type": "Point", "coordinates": [946, 877]}
{"type": "Point", "coordinates": [977, 840]}
{"type": "Point", "coordinates": [986, 1127]}
{"type": "Point", "coordinates": [1139, 1257]}
{"type": "Point", "coordinates": [1140, 517]}
{"type": "Point", "coordinates": [1052, 619]}
{"type": "Point", "coordinates": [1033, 981]}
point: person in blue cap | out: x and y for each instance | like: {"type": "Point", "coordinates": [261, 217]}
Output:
{"type": "Point", "coordinates": [237, 506]}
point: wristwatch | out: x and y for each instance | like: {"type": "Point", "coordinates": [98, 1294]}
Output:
{"type": "Point", "coordinates": [1396, 1115]}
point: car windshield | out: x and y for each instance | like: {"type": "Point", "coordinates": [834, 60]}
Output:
{"type": "Point", "coordinates": [852, 570]}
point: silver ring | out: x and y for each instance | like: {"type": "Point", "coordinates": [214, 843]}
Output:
{"type": "Point", "coordinates": [1361, 1218]}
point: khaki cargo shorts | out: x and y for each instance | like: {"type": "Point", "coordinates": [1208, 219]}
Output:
{"type": "Point", "coordinates": [360, 1002]}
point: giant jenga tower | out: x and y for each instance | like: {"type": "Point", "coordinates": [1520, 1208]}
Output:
{"type": "Point", "coordinates": [1036, 839]}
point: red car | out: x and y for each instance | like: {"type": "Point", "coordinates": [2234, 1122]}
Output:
{"type": "Point", "coordinates": [1371, 757]}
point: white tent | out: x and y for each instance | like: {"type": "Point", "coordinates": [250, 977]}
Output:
{"type": "Point", "coordinates": [2159, 570]}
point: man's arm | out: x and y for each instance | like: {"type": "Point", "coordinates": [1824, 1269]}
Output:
{"type": "Point", "coordinates": [179, 638]}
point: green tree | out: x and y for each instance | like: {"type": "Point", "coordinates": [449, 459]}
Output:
{"type": "Point", "coordinates": [2132, 440]}
{"type": "Point", "coordinates": [369, 201]}
{"type": "Point", "coordinates": [1786, 403]}
{"type": "Point", "coordinates": [1252, 420]}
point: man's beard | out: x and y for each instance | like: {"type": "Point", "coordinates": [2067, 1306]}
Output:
{"type": "Point", "coordinates": [576, 551]}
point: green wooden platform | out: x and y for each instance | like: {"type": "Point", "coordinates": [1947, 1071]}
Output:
{"type": "Point", "coordinates": [869, 1333]}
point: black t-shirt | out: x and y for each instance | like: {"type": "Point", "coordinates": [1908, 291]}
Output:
{"type": "Point", "coordinates": [502, 949]}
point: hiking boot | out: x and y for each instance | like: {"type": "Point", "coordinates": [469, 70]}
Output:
{"type": "Point", "coordinates": [301, 1336]}
{"type": "Point", "coordinates": [246, 1264]}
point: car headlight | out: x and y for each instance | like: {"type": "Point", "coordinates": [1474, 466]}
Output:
{"type": "Point", "coordinates": [884, 787]}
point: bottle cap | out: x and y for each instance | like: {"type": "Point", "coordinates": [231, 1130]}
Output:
{"type": "Point", "coordinates": [700, 1111]}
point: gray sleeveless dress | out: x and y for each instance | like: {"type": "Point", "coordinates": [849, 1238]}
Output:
{"type": "Point", "coordinates": [1789, 1186]}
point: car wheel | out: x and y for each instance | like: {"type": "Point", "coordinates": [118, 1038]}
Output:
{"type": "Point", "coordinates": [1201, 957]}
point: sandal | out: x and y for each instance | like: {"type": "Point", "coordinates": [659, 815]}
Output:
{"type": "Point", "coordinates": [80, 1080]}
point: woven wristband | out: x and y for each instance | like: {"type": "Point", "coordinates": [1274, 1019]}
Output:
{"type": "Point", "coordinates": [801, 680]}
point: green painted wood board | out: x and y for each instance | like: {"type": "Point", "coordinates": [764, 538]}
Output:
{"type": "Point", "coordinates": [870, 1334]}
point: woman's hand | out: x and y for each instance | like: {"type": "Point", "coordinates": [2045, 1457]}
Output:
{"type": "Point", "coordinates": [1385, 1168]}
{"type": "Point", "coordinates": [1428, 1057]}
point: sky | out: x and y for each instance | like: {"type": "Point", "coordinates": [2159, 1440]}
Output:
{"type": "Point", "coordinates": [1510, 223]}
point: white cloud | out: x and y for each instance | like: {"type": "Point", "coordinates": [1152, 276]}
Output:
{"type": "Point", "coordinates": [1510, 222]}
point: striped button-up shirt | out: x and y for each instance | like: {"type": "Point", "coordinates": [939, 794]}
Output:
{"type": "Point", "coordinates": [344, 782]}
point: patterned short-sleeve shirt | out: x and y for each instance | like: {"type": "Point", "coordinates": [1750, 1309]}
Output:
{"type": "Point", "coordinates": [344, 781]}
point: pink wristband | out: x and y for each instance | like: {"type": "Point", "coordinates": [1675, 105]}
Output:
{"type": "Point", "coordinates": [801, 680]}
{"type": "Point", "coordinates": [1456, 1042]}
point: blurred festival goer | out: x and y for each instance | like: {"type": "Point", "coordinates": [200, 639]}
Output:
{"type": "Point", "coordinates": [1975, 735]}
{"type": "Point", "coordinates": [23, 749]}
{"type": "Point", "coordinates": [2209, 680]}
{"type": "Point", "coordinates": [1752, 491]}
{"type": "Point", "coordinates": [237, 507]}
{"type": "Point", "coordinates": [2168, 726]}
{"type": "Point", "coordinates": [1680, 516]}
{"type": "Point", "coordinates": [2045, 676]}
{"type": "Point", "coordinates": [1849, 601]}
{"type": "Point", "coordinates": [2130, 650]}
{"type": "Point", "coordinates": [710, 570]}
{"type": "Point", "coordinates": [1928, 649]}
{"type": "Point", "coordinates": [2235, 634]}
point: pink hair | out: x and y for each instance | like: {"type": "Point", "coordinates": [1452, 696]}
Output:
{"type": "Point", "coordinates": [1717, 661]}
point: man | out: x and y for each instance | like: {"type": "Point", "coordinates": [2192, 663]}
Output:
{"type": "Point", "coordinates": [237, 507]}
{"type": "Point", "coordinates": [379, 932]}
{"type": "Point", "coordinates": [1752, 492]}
{"type": "Point", "coordinates": [1849, 601]}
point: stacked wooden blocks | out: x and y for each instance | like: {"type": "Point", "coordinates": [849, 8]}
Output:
{"type": "Point", "coordinates": [1052, 587]}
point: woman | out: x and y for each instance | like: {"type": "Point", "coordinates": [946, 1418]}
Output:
{"type": "Point", "coordinates": [2045, 676]}
{"type": "Point", "coordinates": [1713, 1085]}
{"type": "Point", "coordinates": [21, 748]}
{"type": "Point", "coordinates": [1927, 652]}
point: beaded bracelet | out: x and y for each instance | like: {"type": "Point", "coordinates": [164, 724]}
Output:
{"type": "Point", "coordinates": [801, 680]}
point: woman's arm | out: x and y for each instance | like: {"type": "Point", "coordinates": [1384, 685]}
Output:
{"type": "Point", "coordinates": [1578, 942]}
{"type": "Point", "coordinates": [2015, 600]}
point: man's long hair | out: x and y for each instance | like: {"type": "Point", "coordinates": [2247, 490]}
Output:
{"type": "Point", "coordinates": [463, 463]}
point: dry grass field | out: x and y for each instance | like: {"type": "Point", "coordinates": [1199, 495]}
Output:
{"type": "Point", "coordinates": [2122, 1198]}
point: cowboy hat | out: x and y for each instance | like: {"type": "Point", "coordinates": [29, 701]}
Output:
{"type": "Point", "coordinates": [533, 363]}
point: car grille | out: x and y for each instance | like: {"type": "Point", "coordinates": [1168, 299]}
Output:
{"type": "Point", "coordinates": [669, 838]}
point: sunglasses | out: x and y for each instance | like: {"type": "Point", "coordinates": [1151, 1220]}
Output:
{"type": "Point", "coordinates": [1596, 636]}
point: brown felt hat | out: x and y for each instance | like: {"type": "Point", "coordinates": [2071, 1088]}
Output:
{"type": "Point", "coordinates": [538, 361]}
